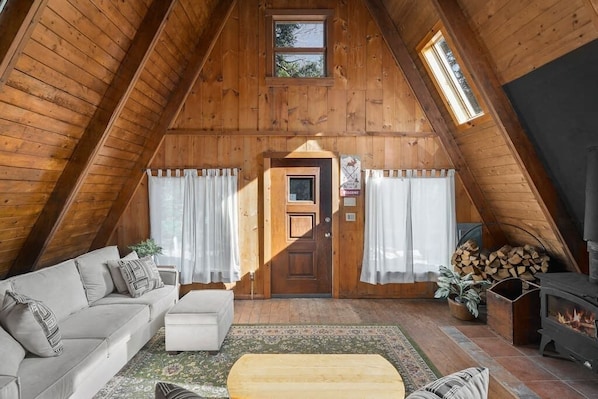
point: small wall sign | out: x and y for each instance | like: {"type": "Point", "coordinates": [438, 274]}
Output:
{"type": "Point", "coordinates": [350, 175]}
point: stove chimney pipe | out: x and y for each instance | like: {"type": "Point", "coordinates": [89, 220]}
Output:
{"type": "Point", "coordinates": [591, 212]}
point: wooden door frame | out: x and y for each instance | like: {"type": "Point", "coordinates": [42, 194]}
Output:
{"type": "Point", "coordinates": [266, 262]}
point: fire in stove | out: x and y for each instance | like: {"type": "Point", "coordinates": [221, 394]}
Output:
{"type": "Point", "coordinates": [579, 320]}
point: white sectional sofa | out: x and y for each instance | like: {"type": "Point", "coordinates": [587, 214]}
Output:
{"type": "Point", "coordinates": [100, 326]}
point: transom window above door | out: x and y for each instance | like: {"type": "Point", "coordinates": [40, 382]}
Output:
{"type": "Point", "coordinates": [297, 47]}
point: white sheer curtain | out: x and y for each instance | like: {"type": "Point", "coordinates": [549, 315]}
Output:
{"type": "Point", "coordinates": [410, 225]}
{"type": "Point", "coordinates": [201, 238]}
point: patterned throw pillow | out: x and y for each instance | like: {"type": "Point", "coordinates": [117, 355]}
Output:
{"type": "Point", "coordinates": [166, 390]}
{"type": "Point", "coordinates": [471, 383]}
{"type": "Point", "coordinates": [140, 275]}
{"type": "Point", "coordinates": [117, 277]}
{"type": "Point", "coordinates": [32, 324]}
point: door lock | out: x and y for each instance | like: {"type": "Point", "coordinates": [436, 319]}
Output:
{"type": "Point", "coordinates": [327, 235]}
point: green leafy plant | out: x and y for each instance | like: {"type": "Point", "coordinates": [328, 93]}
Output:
{"type": "Point", "coordinates": [146, 248]}
{"type": "Point", "coordinates": [461, 288]}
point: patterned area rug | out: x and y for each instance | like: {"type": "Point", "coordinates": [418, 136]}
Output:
{"type": "Point", "coordinates": [206, 374]}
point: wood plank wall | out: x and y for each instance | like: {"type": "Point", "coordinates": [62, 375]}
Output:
{"type": "Point", "coordinates": [514, 33]}
{"type": "Point", "coordinates": [48, 100]}
{"type": "Point", "coordinates": [245, 151]}
{"type": "Point", "coordinates": [52, 94]}
{"type": "Point", "coordinates": [232, 117]}
{"type": "Point", "coordinates": [523, 35]}
{"type": "Point", "coordinates": [75, 50]}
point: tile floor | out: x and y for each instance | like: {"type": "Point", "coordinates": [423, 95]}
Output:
{"type": "Point", "coordinates": [522, 369]}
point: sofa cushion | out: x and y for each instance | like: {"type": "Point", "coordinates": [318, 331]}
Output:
{"type": "Point", "coordinates": [11, 353]}
{"type": "Point", "coordinates": [31, 323]}
{"type": "Point", "coordinates": [166, 390]}
{"type": "Point", "coordinates": [59, 287]}
{"type": "Point", "coordinates": [471, 383]}
{"type": "Point", "coordinates": [158, 300]}
{"type": "Point", "coordinates": [58, 377]}
{"type": "Point", "coordinates": [117, 323]}
{"type": "Point", "coordinates": [117, 277]}
{"type": "Point", "coordinates": [140, 275]}
{"type": "Point", "coordinates": [9, 387]}
{"type": "Point", "coordinates": [95, 274]}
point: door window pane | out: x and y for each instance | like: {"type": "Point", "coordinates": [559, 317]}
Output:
{"type": "Point", "coordinates": [301, 189]}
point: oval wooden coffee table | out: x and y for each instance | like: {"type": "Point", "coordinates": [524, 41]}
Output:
{"type": "Point", "coordinates": [314, 376]}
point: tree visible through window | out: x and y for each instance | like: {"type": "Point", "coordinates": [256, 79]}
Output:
{"type": "Point", "coordinates": [297, 46]}
{"type": "Point", "coordinates": [451, 80]}
{"type": "Point", "coordinates": [299, 49]}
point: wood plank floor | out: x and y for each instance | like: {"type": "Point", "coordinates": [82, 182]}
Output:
{"type": "Point", "coordinates": [420, 319]}
{"type": "Point", "coordinates": [446, 341]}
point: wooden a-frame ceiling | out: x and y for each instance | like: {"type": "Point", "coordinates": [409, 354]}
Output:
{"type": "Point", "coordinates": [24, 15]}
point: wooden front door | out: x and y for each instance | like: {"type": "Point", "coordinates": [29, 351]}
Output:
{"type": "Point", "coordinates": [301, 211]}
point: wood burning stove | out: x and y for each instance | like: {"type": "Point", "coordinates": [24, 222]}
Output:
{"type": "Point", "coordinates": [569, 309]}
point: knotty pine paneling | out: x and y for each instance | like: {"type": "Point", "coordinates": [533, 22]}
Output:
{"type": "Point", "coordinates": [245, 151]}
{"type": "Point", "coordinates": [125, 143]}
{"type": "Point", "coordinates": [370, 111]}
{"type": "Point", "coordinates": [369, 94]}
{"type": "Point", "coordinates": [488, 154]}
{"type": "Point", "coordinates": [521, 36]}
{"type": "Point", "coordinates": [46, 104]}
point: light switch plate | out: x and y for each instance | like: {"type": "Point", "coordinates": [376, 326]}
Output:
{"type": "Point", "coordinates": [349, 201]}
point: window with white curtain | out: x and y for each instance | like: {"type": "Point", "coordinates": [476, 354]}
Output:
{"type": "Point", "coordinates": [410, 225]}
{"type": "Point", "coordinates": [194, 218]}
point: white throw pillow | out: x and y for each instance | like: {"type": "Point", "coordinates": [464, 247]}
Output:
{"type": "Point", "coordinates": [32, 324]}
{"type": "Point", "coordinates": [117, 277]}
{"type": "Point", "coordinates": [140, 275]}
{"type": "Point", "coordinates": [94, 272]}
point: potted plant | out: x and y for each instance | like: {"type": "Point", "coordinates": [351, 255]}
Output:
{"type": "Point", "coordinates": [461, 291]}
{"type": "Point", "coordinates": [146, 248]}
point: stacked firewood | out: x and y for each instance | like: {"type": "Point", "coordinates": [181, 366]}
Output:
{"type": "Point", "coordinates": [508, 261]}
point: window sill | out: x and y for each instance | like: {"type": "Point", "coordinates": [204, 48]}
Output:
{"type": "Point", "coordinates": [283, 82]}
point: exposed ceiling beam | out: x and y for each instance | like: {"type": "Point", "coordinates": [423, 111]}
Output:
{"type": "Point", "coordinates": [17, 21]}
{"type": "Point", "coordinates": [205, 44]}
{"type": "Point", "coordinates": [93, 138]}
{"type": "Point", "coordinates": [443, 130]}
{"type": "Point", "coordinates": [477, 62]}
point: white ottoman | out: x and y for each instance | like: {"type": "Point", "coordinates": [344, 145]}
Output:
{"type": "Point", "coordinates": [199, 321]}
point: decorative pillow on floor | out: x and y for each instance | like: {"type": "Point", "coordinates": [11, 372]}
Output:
{"type": "Point", "coordinates": [140, 275]}
{"type": "Point", "coordinates": [165, 390]}
{"type": "Point", "coordinates": [117, 277]}
{"type": "Point", "coordinates": [32, 324]}
{"type": "Point", "coordinates": [471, 383]}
